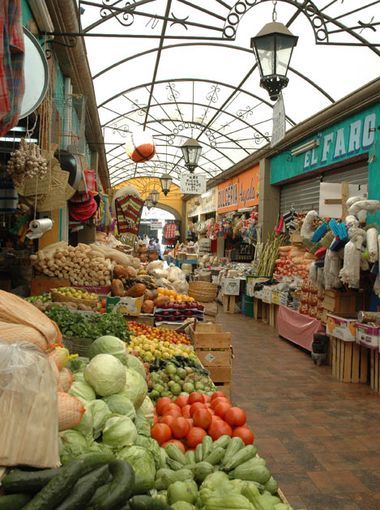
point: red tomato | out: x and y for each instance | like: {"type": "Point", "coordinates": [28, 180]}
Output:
{"type": "Point", "coordinates": [180, 445]}
{"type": "Point", "coordinates": [245, 433]}
{"type": "Point", "coordinates": [195, 436]}
{"type": "Point", "coordinates": [207, 399]}
{"type": "Point", "coordinates": [180, 427]}
{"type": "Point", "coordinates": [186, 411]}
{"type": "Point", "coordinates": [161, 433]}
{"type": "Point", "coordinates": [202, 418]}
{"type": "Point", "coordinates": [235, 416]}
{"type": "Point", "coordinates": [190, 421]}
{"type": "Point", "coordinates": [168, 419]}
{"type": "Point", "coordinates": [196, 397]}
{"type": "Point", "coordinates": [217, 394]}
{"type": "Point", "coordinates": [173, 411]}
{"type": "Point", "coordinates": [196, 407]}
{"type": "Point", "coordinates": [161, 402]}
{"type": "Point", "coordinates": [222, 408]}
{"type": "Point", "coordinates": [219, 400]}
{"type": "Point", "coordinates": [155, 419]}
{"type": "Point", "coordinates": [181, 401]}
{"type": "Point", "coordinates": [219, 428]}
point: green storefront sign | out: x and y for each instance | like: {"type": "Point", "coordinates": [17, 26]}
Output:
{"type": "Point", "coordinates": [352, 137]}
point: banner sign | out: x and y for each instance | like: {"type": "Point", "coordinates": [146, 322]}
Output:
{"type": "Point", "coordinates": [240, 192]}
{"type": "Point", "coordinates": [192, 184]}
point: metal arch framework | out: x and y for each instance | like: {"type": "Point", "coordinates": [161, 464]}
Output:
{"type": "Point", "coordinates": [226, 23]}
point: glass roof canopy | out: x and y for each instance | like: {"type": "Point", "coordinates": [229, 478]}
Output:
{"type": "Point", "coordinates": [184, 68]}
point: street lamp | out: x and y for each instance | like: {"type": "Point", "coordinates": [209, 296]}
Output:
{"type": "Point", "coordinates": [273, 47]}
{"type": "Point", "coordinates": [166, 182]}
{"type": "Point", "coordinates": [154, 196]}
{"type": "Point", "coordinates": [191, 151]}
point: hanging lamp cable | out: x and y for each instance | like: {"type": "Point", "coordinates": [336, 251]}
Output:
{"type": "Point", "coordinates": [274, 13]}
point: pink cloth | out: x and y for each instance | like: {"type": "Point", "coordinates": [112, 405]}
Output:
{"type": "Point", "coordinates": [296, 327]}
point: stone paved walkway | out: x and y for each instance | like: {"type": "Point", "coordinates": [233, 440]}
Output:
{"type": "Point", "coordinates": [320, 437]}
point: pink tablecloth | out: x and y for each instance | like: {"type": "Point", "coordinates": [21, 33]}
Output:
{"type": "Point", "coordinates": [296, 327]}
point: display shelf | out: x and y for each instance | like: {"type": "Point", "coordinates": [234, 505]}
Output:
{"type": "Point", "coordinates": [349, 361]}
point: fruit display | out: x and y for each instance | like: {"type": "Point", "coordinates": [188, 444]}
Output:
{"type": "Point", "coordinates": [148, 349]}
{"type": "Point", "coordinates": [174, 296]}
{"type": "Point", "coordinates": [174, 379]}
{"type": "Point", "coordinates": [166, 335]}
{"type": "Point", "coordinates": [74, 293]}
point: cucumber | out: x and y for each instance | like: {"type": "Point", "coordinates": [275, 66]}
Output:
{"type": "Point", "coordinates": [206, 446]}
{"type": "Point", "coordinates": [198, 453]}
{"type": "Point", "coordinates": [84, 489]}
{"type": "Point", "coordinates": [14, 501]}
{"type": "Point", "coordinates": [202, 470]}
{"type": "Point", "coordinates": [223, 441]}
{"type": "Point", "coordinates": [175, 453]}
{"type": "Point", "coordinates": [173, 464]}
{"type": "Point", "coordinates": [119, 490]}
{"type": "Point", "coordinates": [60, 486]}
{"type": "Point", "coordinates": [190, 457]}
{"type": "Point", "coordinates": [234, 446]}
{"type": "Point", "coordinates": [246, 453]}
{"type": "Point", "coordinates": [18, 480]}
{"type": "Point", "coordinates": [147, 503]}
{"type": "Point", "coordinates": [216, 456]}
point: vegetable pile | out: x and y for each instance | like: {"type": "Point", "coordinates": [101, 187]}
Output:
{"type": "Point", "coordinates": [92, 326]}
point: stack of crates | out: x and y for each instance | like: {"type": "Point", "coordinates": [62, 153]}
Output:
{"type": "Point", "coordinates": [213, 347]}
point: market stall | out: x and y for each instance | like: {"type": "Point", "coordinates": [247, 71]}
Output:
{"type": "Point", "coordinates": [130, 425]}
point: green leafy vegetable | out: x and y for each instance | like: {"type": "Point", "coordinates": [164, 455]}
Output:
{"type": "Point", "coordinates": [105, 374]}
{"type": "Point", "coordinates": [143, 465]}
{"type": "Point", "coordinates": [120, 404]}
{"type": "Point", "coordinates": [119, 431]}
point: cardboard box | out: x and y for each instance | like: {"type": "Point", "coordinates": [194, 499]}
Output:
{"type": "Point", "coordinates": [231, 286]}
{"type": "Point", "coordinates": [214, 358]}
{"type": "Point", "coordinates": [368, 335]}
{"type": "Point", "coordinates": [126, 305]}
{"type": "Point", "coordinates": [342, 328]}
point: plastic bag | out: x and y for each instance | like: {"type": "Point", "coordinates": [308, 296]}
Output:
{"type": "Point", "coordinates": [28, 407]}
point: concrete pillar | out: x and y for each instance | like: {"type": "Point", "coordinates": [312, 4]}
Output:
{"type": "Point", "coordinates": [269, 201]}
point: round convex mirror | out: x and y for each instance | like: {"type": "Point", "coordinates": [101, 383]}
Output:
{"type": "Point", "coordinates": [36, 75]}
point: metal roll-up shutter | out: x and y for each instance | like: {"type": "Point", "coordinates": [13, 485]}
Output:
{"type": "Point", "coordinates": [304, 195]}
{"type": "Point", "coordinates": [301, 195]}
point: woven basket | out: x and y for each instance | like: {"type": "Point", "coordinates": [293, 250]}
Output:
{"type": "Point", "coordinates": [205, 292]}
{"type": "Point", "coordinates": [60, 298]}
{"type": "Point", "coordinates": [77, 345]}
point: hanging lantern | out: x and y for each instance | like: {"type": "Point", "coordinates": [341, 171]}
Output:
{"type": "Point", "coordinates": [148, 204]}
{"type": "Point", "coordinates": [166, 182]}
{"type": "Point", "coordinates": [140, 147]}
{"type": "Point", "coordinates": [191, 151]}
{"type": "Point", "coordinates": [154, 197]}
{"type": "Point", "coordinates": [273, 47]}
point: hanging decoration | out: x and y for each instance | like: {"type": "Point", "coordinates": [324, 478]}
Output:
{"type": "Point", "coordinates": [140, 147]}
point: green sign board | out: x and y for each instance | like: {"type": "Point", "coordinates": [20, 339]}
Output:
{"type": "Point", "coordinates": [352, 137]}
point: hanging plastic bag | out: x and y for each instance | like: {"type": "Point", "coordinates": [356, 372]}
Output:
{"type": "Point", "coordinates": [28, 407]}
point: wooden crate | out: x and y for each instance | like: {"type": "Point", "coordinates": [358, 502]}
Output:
{"type": "Point", "coordinates": [214, 358]}
{"type": "Point", "coordinates": [41, 284]}
{"type": "Point", "coordinates": [349, 361]}
{"type": "Point", "coordinates": [273, 311]}
{"type": "Point", "coordinates": [220, 374]}
{"type": "Point", "coordinates": [210, 336]}
{"type": "Point", "coordinates": [340, 303]}
{"type": "Point", "coordinates": [229, 304]}
{"type": "Point", "coordinates": [144, 318]}
{"type": "Point", "coordinates": [375, 371]}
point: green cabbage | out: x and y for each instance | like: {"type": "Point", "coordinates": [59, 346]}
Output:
{"type": "Point", "coordinates": [120, 404]}
{"type": "Point", "coordinates": [106, 374]}
{"type": "Point", "coordinates": [119, 431]}
{"type": "Point", "coordinates": [82, 390]}
{"type": "Point", "coordinates": [100, 414]}
{"type": "Point", "coordinates": [72, 445]}
{"type": "Point", "coordinates": [78, 364]}
{"type": "Point", "coordinates": [109, 345]}
{"type": "Point", "coordinates": [135, 387]}
{"type": "Point", "coordinates": [143, 465]}
{"type": "Point", "coordinates": [86, 425]}
{"type": "Point", "coordinates": [182, 491]}
{"type": "Point", "coordinates": [134, 363]}
{"type": "Point", "coordinates": [155, 449]}
{"type": "Point", "coordinates": [147, 408]}
{"type": "Point", "coordinates": [142, 424]}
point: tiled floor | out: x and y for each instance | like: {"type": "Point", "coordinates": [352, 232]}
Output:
{"type": "Point", "coordinates": [320, 437]}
